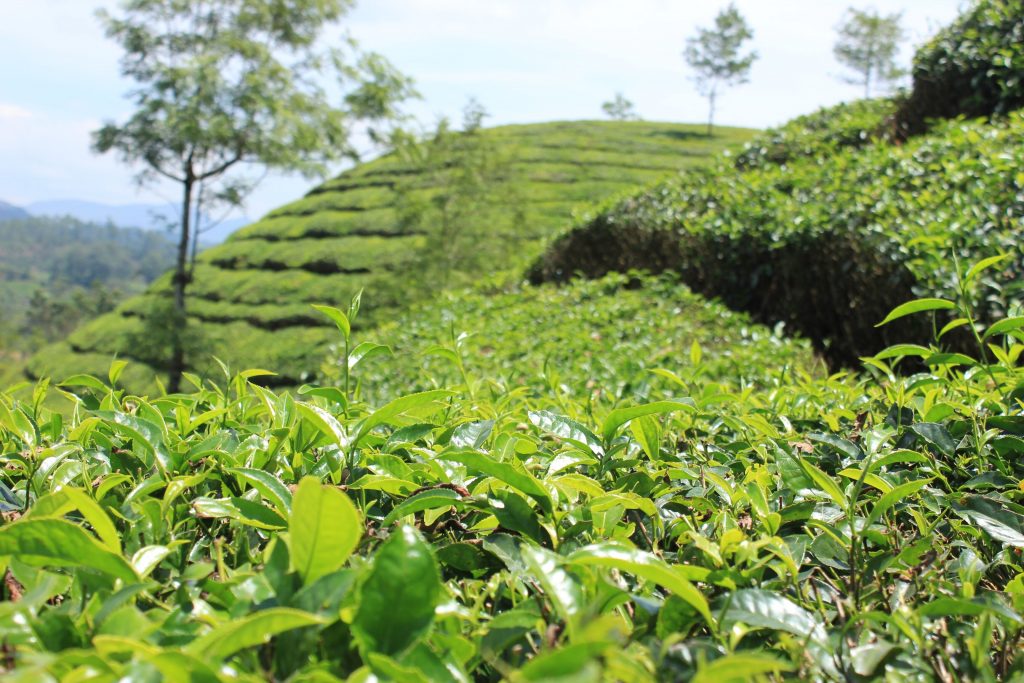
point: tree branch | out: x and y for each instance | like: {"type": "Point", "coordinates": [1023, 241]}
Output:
{"type": "Point", "coordinates": [217, 170]}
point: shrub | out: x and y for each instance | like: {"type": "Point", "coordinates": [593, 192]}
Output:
{"type": "Point", "coordinates": [972, 68]}
{"type": "Point", "coordinates": [827, 245]}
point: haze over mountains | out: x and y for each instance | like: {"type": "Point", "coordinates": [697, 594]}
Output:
{"type": "Point", "coordinates": [145, 216]}
{"type": "Point", "coordinates": [9, 211]}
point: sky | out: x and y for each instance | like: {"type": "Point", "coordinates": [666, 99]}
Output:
{"type": "Point", "coordinates": [523, 60]}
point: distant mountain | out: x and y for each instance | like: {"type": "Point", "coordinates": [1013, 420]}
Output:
{"type": "Point", "coordinates": [145, 216]}
{"type": "Point", "coordinates": [8, 211]}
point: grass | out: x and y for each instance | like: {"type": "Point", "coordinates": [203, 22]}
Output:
{"type": "Point", "coordinates": [251, 295]}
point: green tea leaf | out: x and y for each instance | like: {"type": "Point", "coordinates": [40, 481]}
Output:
{"type": "Point", "coordinates": [566, 428]}
{"type": "Point", "coordinates": [824, 482]}
{"type": "Point", "coordinates": [619, 417]}
{"type": "Point", "coordinates": [764, 609]}
{"type": "Point", "coordinates": [1005, 326]}
{"type": "Point", "coordinates": [270, 487]}
{"type": "Point", "coordinates": [425, 500]}
{"type": "Point", "coordinates": [398, 596]}
{"type": "Point", "coordinates": [324, 421]}
{"type": "Point", "coordinates": [984, 264]}
{"type": "Point", "coordinates": [647, 433]}
{"type": "Point", "coordinates": [646, 566]}
{"type": "Point", "coordinates": [397, 407]}
{"type": "Point", "coordinates": [324, 529]}
{"type": "Point", "coordinates": [740, 666]}
{"type": "Point", "coordinates": [998, 522]}
{"type": "Point", "coordinates": [340, 319]}
{"type": "Point", "coordinates": [59, 503]}
{"type": "Point", "coordinates": [255, 629]}
{"type": "Point", "coordinates": [366, 351]}
{"type": "Point", "coordinates": [917, 306]}
{"type": "Point", "coordinates": [57, 543]}
{"type": "Point", "coordinates": [516, 477]}
{"type": "Point", "coordinates": [897, 494]}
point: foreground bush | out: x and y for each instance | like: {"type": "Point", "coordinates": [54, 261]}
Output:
{"type": "Point", "coordinates": [835, 529]}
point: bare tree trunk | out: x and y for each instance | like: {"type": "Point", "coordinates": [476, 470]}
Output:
{"type": "Point", "coordinates": [197, 229]}
{"type": "Point", "coordinates": [711, 112]}
{"type": "Point", "coordinates": [181, 276]}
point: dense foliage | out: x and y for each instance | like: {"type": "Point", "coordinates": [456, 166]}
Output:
{"type": "Point", "coordinates": [249, 299]}
{"type": "Point", "coordinates": [821, 134]}
{"type": "Point", "coordinates": [581, 341]}
{"type": "Point", "coordinates": [833, 529]}
{"type": "Point", "coordinates": [827, 243]}
{"type": "Point", "coordinates": [971, 68]}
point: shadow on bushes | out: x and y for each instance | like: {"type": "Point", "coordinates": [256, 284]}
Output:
{"type": "Point", "coordinates": [831, 288]}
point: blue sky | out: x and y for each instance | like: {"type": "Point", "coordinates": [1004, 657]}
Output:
{"type": "Point", "coordinates": [524, 60]}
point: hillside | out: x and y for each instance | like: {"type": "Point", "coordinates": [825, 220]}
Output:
{"type": "Point", "coordinates": [604, 340]}
{"type": "Point", "coordinates": [831, 221]}
{"type": "Point", "coordinates": [250, 297]}
{"type": "Point", "coordinates": [58, 272]}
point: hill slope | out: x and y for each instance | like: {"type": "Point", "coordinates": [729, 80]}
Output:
{"type": "Point", "coordinates": [829, 242]}
{"type": "Point", "coordinates": [57, 272]}
{"type": "Point", "coordinates": [251, 295]}
{"type": "Point", "coordinates": [831, 221]}
{"type": "Point", "coordinates": [595, 340]}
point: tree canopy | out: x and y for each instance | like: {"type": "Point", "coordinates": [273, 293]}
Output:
{"type": "Point", "coordinates": [715, 55]}
{"type": "Point", "coordinates": [868, 45]}
{"type": "Point", "coordinates": [239, 83]}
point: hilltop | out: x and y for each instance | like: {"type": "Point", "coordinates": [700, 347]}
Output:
{"type": "Point", "coordinates": [832, 220]}
{"type": "Point", "coordinates": [251, 296]}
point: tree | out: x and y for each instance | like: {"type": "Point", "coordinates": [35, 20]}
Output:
{"type": "Point", "coordinates": [620, 109]}
{"type": "Point", "coordinates": [459, 200]}
{"type": "Point", "coordinates": [714, 55]}
{"type": "Point", "coordinates": [868, 45]}
{"type": "Point", "coordinates": [232, 84]}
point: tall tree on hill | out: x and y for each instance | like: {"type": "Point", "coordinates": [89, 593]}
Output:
{"type": "Point", "coordinates": [234, 84]}
{"type": "Point", "coordinates": [868, 45]}
{"type": "Point", "coordinates": [715, 56]}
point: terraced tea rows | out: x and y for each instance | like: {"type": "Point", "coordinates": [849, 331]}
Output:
{"type": "Point", "coordinates": [250, 296]}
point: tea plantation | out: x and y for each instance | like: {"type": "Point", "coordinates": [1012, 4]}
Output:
{"type": "Point", "coordinates": [250, 297]}
{"type": "Point", "coordinates": [603, 479]}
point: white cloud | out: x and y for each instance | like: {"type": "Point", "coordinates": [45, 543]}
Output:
{"type": "Point", "coordinates": [13, 111]}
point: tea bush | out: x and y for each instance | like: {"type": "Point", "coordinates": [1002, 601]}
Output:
{"type": "Point", "coordinates": [827, 244]}
{"type": "Point", "coordinates": [820, 134]}
{"type": "Point", "coordinates": [836, 528]}
{"type": "Point", "coordinates": [582, 341]}
{"type": "Point", "coordinates": [972, 68]}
